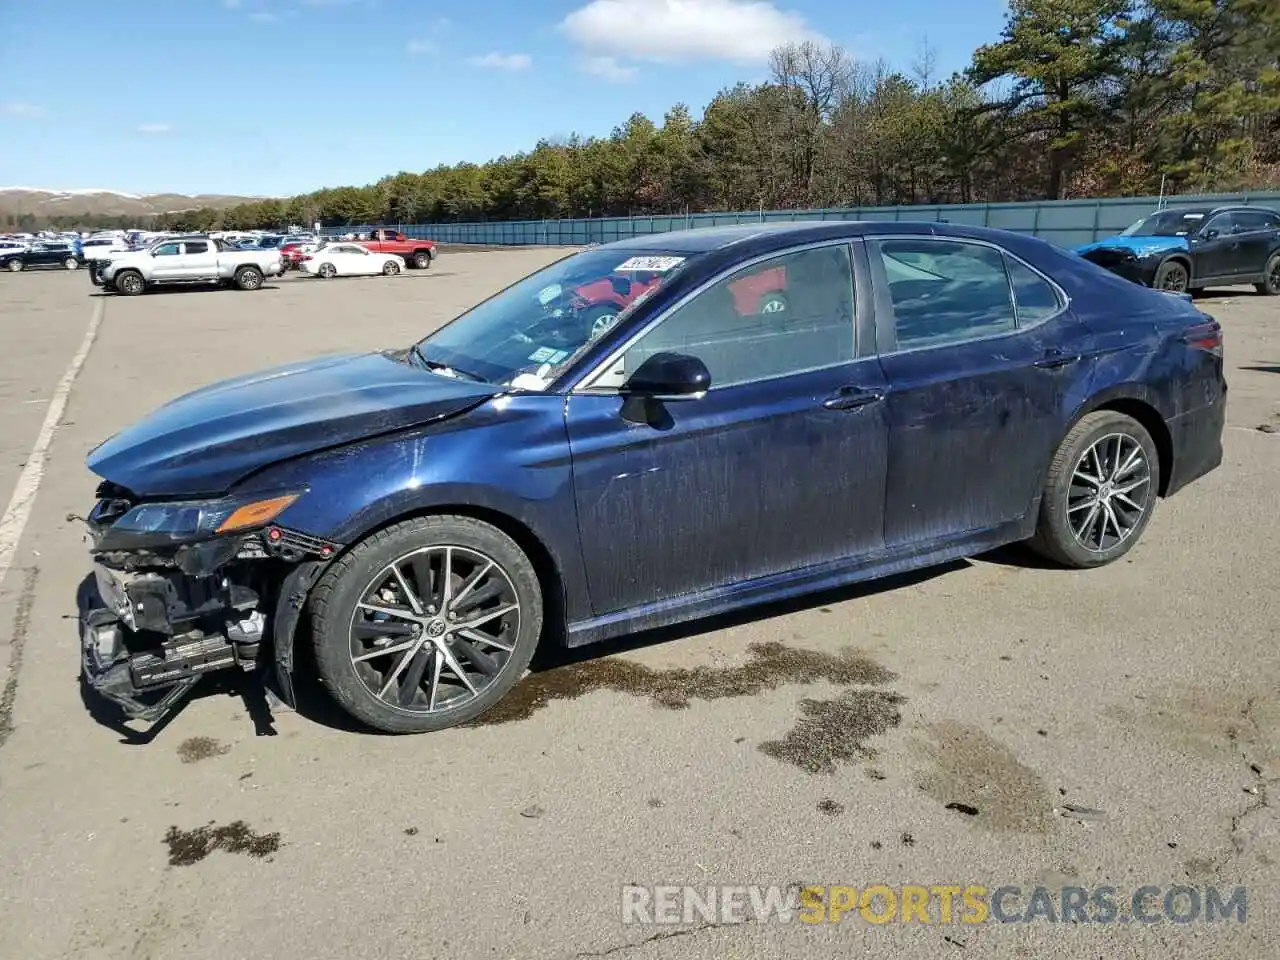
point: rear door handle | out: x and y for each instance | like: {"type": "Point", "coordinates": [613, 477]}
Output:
{"type": "Point", "coordinates": [851, 398]}
{"type": "Point", "coordinates": [1056, 358]}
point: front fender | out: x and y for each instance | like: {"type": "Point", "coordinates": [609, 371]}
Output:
{"type": "Point", "coordinates": [507, 458]}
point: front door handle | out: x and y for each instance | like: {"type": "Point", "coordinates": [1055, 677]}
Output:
{"type": "Point", "coordinates": [1056, 358]}
{"type": "Point", "coordinates": [851, 398]}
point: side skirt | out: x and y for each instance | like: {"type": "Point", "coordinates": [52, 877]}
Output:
{"type": "Point", "coordinates": [784, 586]}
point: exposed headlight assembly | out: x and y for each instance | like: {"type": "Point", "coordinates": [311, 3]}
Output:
{"type": "Point", "coordinates": [150, 525]}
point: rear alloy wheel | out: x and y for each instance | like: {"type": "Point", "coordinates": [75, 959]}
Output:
{"type": "Point", "coordinates": [772, 303]}
{"type": "Point", "coordinates": [422, 260]}
{"type": "Point", "coordinates": [71, 263]}
{"type": "Point", "coordinates": [249, 278]}
{"type": "Point", "coordinates": [130, 283]}
{"type": "Point", "coordinates": [15, 266]}
{"type": "Point", "coordinates": [426, 624]}
{"type": "Point", "coordinates": [327, 271]}
{"type": "Point", "coordinates": [1172, 277]}
{"type": "Point", "coordinates": [1100, 491]}
{"type": "Point", "coordinates": [1270, 285]}
{"type": "Point", "coordinates": [598, 320]}
{"type": "Point", "coordinates": [390, 268]}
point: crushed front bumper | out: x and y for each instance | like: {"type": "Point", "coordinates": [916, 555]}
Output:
{"type": "Point", "coordinates": [146, 638]}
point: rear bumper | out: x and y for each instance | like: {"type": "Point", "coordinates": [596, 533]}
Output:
{"type": "Point", "coordinates": [1197, 442]}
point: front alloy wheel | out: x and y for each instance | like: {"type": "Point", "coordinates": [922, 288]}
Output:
{"type": "Point", "coordinates": [426, 624]}
{"type": "Point", "coordinates": [1172, 277]}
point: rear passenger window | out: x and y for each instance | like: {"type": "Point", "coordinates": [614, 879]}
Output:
{"type": "Point", "coordinates": [946, 291]}
{"type": "Point", "coordinates": [1034, 296]}
{"type": "Point", "coordinates": [196, 246]}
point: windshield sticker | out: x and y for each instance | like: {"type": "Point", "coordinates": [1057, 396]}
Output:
{"type": "Point", "coordinates": [1193, 216]}
{"type": "Point", "coordinates": [654, 264]}
{"type": "Point", "coordinates": [547, 355]}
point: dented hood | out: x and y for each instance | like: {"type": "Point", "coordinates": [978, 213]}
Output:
{"type": "Point", "coordinates": [203, 442]}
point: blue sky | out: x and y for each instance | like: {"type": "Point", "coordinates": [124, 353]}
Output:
{"type": "Point", "coordinates": [277, 97]}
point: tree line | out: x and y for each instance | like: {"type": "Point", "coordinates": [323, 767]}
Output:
{"type": "Point", "coordinates": [1074, 98]}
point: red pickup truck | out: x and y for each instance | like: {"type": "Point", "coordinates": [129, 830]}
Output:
{"type": "Point", "coordinates": [416, 253]}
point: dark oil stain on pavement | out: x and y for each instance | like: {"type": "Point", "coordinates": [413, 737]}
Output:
{"type": "Point", "coordinates": [970, 770]}
{"type": "Point", "coordinates": [195, 749]}
{"type": "Point", "coordinates": [191, 846]}
{"type": "Point", "coordinates": [770, 666]}
{"type": "Point", "coordinates": [833, 731]}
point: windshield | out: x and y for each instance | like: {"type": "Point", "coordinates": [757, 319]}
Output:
{"type": "Point", "coordinates": [1167, 223]}
{"type": "Point", "coordinates": [525, 335]}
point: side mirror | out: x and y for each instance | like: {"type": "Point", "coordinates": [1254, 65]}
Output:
{"type": "Point", "coordinates": [669, 376]}
{"type": "Point", "coordinates": [1209, 234]}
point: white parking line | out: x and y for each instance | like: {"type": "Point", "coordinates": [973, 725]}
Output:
{"type": "Point", "coordinates": [16, 514]}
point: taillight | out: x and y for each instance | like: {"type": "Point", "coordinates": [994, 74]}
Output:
{"type": "Point", "coordinates": [1204, 336]}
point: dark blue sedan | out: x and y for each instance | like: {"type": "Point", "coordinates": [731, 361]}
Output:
{"type": "Point", "coordinates": [642, 433]}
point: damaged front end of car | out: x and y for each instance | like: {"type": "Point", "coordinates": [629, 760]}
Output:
{"type": "Point", "coordinates": [191, 587]}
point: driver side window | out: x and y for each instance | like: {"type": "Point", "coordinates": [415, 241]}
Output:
{"type": "Point", "coordinates": [168, 250]}
{"type": "Point", "coordinates": [782, 316]}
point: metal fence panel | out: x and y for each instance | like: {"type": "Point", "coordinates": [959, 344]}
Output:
{"type": "Point", "coordinates": [1063, 222]}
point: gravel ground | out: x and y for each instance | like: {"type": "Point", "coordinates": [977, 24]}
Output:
{"type": "Point", "coordinates": [931, 730]}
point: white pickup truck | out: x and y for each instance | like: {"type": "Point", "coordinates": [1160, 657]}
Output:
{"type": "Point", "coordinates": [186, 260]}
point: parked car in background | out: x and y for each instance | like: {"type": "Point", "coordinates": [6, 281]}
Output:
{"type": "Point", "coordinates": [1189, 249]}
{"type": "Point", "coordinates": [195, 260]}
{"type": "Point", "coordinates": [434, 512]}
{"type": "Point", "coordinates": [417, 253]}
{"type": "Point", "coordinates": [349, 260]}
{"type": "Point", "coordinates": [44, 253]}
{"type": "Point", "coordinates": [103, 248]}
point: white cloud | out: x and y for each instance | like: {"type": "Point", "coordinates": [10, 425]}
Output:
{"type": "Point", "coordinates": [26, 111]}
{"type": "Point", "coordinates": [608, 68]}
{"type": "Point", "coordinates": [665, 30]}
{"type": "Point", "coordinates": [154, 128]}
{"type": "Point", "coordinates": [422, 46]}
{"type": "Point", "coordinates": [502, 61]}
{"type": "Point", "coordinates": [263, 16]}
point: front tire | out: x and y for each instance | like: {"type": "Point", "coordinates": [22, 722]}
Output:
{"type": "Point", "coordinates": [426, 624]}
{"type": "Point", "coordinates": [390, 268]}
{"type": "Point", "coordinates": [421, 260]}
{"type": "Point", "coordinates": [1099, 493]}
{"type": "Point", "coordinates": [1270, 285]}
{"type": "Point", "coordinates": [130, 283]}
{"type": "Point", "coordinates": [15, 266]}
{"type": "Point", "coordinates": [327, 271]}
{"type": "Point", "coordinates": [1172, 277]}
{"type": "Point", "coordinates": [71, 263]}
{"type": "Point", "coordinates": [248, 278]}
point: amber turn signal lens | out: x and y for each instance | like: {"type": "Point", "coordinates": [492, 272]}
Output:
{"type": "Point", "coordinates": [256, 514]}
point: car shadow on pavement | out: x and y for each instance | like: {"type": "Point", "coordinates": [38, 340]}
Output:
{"type": "Point", "coordinates": [1264, 367]}
{"type": "Point", "coordinates": [194, 288]}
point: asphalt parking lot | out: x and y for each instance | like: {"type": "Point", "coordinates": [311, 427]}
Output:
{"type": "Point", "coordinates": [993, 722]}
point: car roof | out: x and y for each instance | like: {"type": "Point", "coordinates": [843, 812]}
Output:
{"type": "Point", "coordinates": [763, 237]}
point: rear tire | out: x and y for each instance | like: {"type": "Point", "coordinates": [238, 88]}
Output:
{"type": "Point", "coordinates": [335, 605]}
{"type": "Point", "coordinates": [248, 278]}
{"type": "Point", "coordinates": [1270, 285]}
{"type": "Point", "coordinates": [1079, 516]}
{"type": "Point", "coordinates": [71, 263]}
{"type": "Point", "coordinates": [15, 266]}
{"type": "Point", "coordinates": [130, 283]}
{"type": "Point", "coordinates": [421, 260]}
